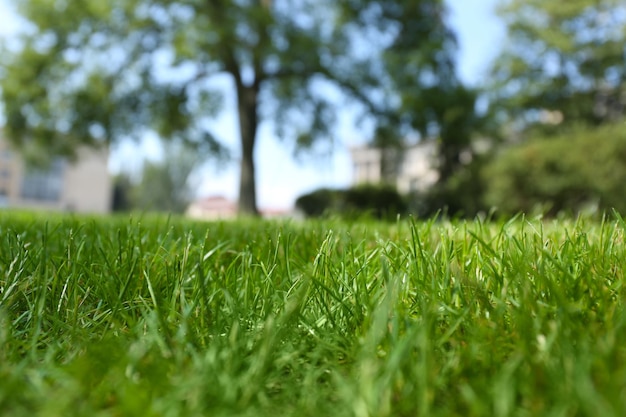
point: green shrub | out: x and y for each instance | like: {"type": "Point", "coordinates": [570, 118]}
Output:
{"type": "Point", "coordinates": [581, 170]}
{"type": "Point", "coordinates": [460, 196]}
{"type": "Point", "coordinates": [377, 201]}
{"type": "Point", "coordinates": [318, 202]}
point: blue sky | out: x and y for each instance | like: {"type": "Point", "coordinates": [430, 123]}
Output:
{"type": "Point", "coordinates": [280, 178]}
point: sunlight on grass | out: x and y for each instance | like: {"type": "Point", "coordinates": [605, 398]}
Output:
{"type": "Point", "coordinates": [156, 316]}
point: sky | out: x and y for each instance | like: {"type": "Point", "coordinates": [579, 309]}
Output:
{"type": "Point", "coordinates": [280, 177]}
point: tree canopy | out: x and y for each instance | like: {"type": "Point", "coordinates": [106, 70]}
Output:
{"type": "Point", "coordinates": [563, 64]}
{"type": "Point", "coordinates": [93, 72]}
{"type": "Point", "coordinates": [164, 185]}
{"type": "Point", "coordinates": [559, 92]}
{"type": "Point", "coordinates": [581, 170]}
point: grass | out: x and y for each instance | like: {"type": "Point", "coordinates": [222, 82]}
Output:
{"type": "Point", "coordinates": [165, 317]}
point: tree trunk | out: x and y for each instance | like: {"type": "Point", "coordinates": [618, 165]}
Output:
{"type": "Point", "coordinates": [248, 120]}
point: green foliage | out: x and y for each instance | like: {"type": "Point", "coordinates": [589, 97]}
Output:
{"type": "Point", "coordinates": [563, 64]}
{"type": "Point", "coordinates": [421, 72]}
{"type": "Point", "coordinates": [154, 316]}
{"type": "Point", "coordinates": [122, 190]}
{"type": "Point", "coordinates": [161, 188]}
{"type": "Point", "coordinates": [319, 202]}
{"type": "Point", "coordinates": [461, 195]}
{"type": "Point", "coordinates": [163, 185]}
{"type": "Point", "coordinates": [377, 201]}
{"type": "Point", "coordinates": [578, 170]}
{"type": "Point", "coordinates": [560, 76]}
{"type": "Point", "coordinates": [106, 72]}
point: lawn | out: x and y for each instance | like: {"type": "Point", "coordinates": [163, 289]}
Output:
{"type": "Point", "coordinates": [156, 316]}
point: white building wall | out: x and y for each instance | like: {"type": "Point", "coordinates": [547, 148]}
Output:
{"type": "Point", "coordinates": [417, 171]}
{"type": "Point", "coordinates": [366, 165]}
{"type": "Point", "coordinates": [86, 185]}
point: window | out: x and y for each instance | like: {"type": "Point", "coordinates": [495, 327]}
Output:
{"type": "Point", "coordinates": [44, 184]}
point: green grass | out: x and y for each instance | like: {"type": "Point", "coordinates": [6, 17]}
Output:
{"type": "Point", "coordinates": [165, 317]}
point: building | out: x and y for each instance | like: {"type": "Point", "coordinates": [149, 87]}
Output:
{"type": "Point", "coordinates": [221, 208]}
{"type": "Point", "coordinates": [212, 208]}
{"type": "Point", "coordinates": [412, 169]}
{"type": "Point", "coordinates": [80, 186]}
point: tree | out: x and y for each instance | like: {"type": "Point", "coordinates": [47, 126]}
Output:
{"type": "Point", "coordinates": [164, 185]}
{"type": "Point", "coordinates": [432, 99]}
{"type": "Point", "coordinates": [563, 64]}
{"type": "Point", "coordinates": [122, 190]}
{"type": "Point", "coordinates": [105, 71]}
{"type": "Point", "coordinates": [560, 86]}
{"type": "Point", "coordinates": [575, 171]}
{"type": "Point", "coordinates": [452, 112]}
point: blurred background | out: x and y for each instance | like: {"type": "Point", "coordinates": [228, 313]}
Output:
{"type": "Point", "coordinates": [286, 108]}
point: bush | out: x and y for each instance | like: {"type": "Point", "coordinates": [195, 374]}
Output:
{"type": "Point", "coordinates": [582, 170]}
{"type": "Point", "coordinates": [318, 202]}
{"type": "Point", "coordinates": [460, 196]}
{"type": "Point", "coordinates": [378, 201]}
